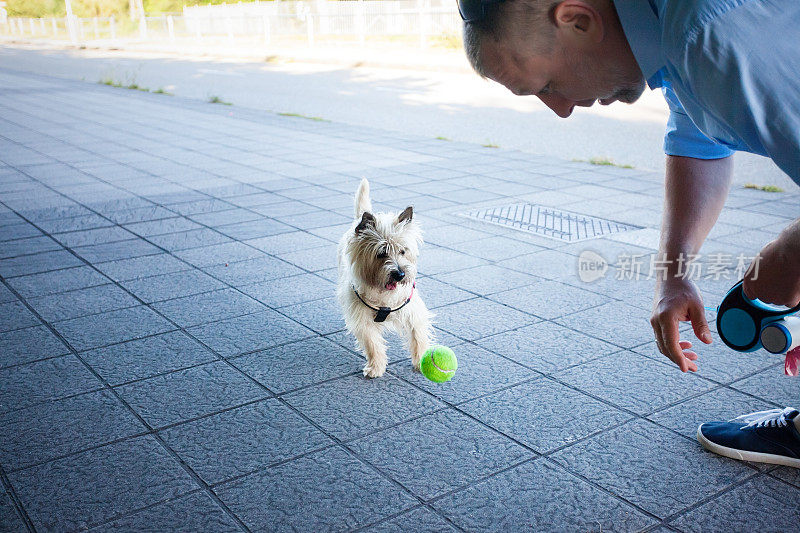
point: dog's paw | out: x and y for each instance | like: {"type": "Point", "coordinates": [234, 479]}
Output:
{"type": "Point", "coordinates": [374, 370]}
{"type": "Point", "coordinates": [415, 364]}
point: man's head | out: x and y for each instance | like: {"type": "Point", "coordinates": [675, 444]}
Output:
{"type": "Point", "coordinates": [566, 52]}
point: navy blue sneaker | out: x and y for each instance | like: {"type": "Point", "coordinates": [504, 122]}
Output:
{"type": "Point", "coordinates": [763, 437]}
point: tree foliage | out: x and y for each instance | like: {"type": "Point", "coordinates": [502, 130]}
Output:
{"type": "Point", "coordinates": [97, 8]}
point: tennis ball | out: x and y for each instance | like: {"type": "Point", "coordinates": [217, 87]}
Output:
{"type": "Point", "coordinates": [439, 364]}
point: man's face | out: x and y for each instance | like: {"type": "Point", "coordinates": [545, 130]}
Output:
{"type": "Point", "coordinates": [562, 78]}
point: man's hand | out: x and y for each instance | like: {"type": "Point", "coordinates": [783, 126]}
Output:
{"type": "Point", "coordinates": [775, 277]}
{"type": "Point", "coordinates": [676, 301]}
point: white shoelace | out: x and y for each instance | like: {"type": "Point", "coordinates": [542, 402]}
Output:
{"type": "Point", "coordinates": [769, 418]}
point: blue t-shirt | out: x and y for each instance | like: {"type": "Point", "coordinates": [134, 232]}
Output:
{"type": "Point", "coordinates": [729, 70]}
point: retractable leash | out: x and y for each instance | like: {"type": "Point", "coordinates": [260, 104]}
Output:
{"type": "Point", "coordinates": [747, 325]}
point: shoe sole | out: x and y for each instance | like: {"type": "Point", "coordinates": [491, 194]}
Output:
{"type": "Point", "coordinates": [743, 455]}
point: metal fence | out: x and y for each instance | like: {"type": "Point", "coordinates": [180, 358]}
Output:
{"type": "Point", "coordinates": [319, 21]}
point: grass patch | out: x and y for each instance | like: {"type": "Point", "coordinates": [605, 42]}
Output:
{"type": "Point", "coordinates": [161, 90]}
{"type": "Point", "coordinates": [765, 188]}
{"type": "Point", "coordinates": [603, 162]}
{"type": "Point", "coordinates": [441, 138]}
{"type": "Point", "coordinates": [298, 115]}
{"type": "Point", "coordinates": [217, 100]}
{"type": "Point", "coordinates": [490, 145]}
{"type": "Point", "coordinates": [111, 82]}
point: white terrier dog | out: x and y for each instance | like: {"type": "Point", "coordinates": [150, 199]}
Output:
{"type": "Point", "coordinates": [377, 282]}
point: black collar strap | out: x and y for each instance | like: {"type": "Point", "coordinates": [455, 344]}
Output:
{"type": "Point", "coordinates": [382, 312]}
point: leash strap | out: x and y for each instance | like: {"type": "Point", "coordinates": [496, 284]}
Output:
{"type": "Point", "coordinates": [381, 313]}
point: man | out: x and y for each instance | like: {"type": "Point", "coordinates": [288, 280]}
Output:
{"type": "Point", "coordinates": [729, 71]}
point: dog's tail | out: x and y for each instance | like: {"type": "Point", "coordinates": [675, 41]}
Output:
{"type": "Point", "coordinates": [363, 203]}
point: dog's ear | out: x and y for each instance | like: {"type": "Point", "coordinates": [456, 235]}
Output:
{"type": "Point", "coordinates": [367, 220]}
{"type": "Point", "coordinates": [406, 215]}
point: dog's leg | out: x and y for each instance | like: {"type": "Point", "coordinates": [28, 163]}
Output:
{"type": "Point", "coordinates": [374, 348]}
{"type": "Point", "coordinates": [419, 339]}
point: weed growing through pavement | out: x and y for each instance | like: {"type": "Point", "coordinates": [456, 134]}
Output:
{"type": "Point", "coordinates": [442, 138]}
{"type": "Point", "coordinates": [298, 115]}
{"type": "Point", "coordinates": [602, 161]}
{"type": "Point", "coordinates": [217, 100]}
{"type": "Point", "coordinates": [490, 145]}
{"type": "Point", "coordinates": [765, 188]}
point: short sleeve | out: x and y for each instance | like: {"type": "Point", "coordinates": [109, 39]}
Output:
{"type": "Point", "coordinates": [682, 137]}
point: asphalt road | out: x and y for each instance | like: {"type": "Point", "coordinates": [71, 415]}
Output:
{"type": "Point", "coordinates": [455, 105]}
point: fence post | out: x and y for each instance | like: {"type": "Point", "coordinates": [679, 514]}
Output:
{"type": "Point", "coordinates": [33, 29]}
{"type": "Point", "coordinates": [96, 29]}
{"type": "Point", "coordinates": [310, 25]}
{"type": "Point", "coordinates": [113, 28]}
{"type": "Point", "coordinates": [143, 27]}
{"type": "Point", "coordinates": [171, 28]}
{"type": "Point", "coordinates": [71, 22]}
{"type": "Point", "coordinates": [229, 28]}
{"type": "Point", "coordinates": [55, 27]}
{"type": "Point", "coordinates": [266, 29]}
{"type": "Point", "coordinates": [421, 9]}
{"type": "Point", "coordinates": [362, 23]}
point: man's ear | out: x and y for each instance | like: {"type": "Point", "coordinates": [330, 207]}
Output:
{"type": "Point", "coordinates": [367, 220]}
{"type": "Point", "coordinates": [579, 21]}
{"type": "Point", "coordinates": [406, 215]}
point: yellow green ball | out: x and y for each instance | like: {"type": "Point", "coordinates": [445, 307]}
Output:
{"type": "Point", "coordinates": [439, 364]}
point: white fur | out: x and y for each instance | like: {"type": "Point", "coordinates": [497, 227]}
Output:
{"type": "Point", "coordinates": [360, 268]}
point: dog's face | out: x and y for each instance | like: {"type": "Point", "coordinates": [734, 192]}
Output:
{"type": "Point", "coordinates": [384, 248]}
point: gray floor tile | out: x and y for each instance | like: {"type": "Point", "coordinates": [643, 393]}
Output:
{"type": "Point", "coordinates": [337, 493]}
{"type": "Point", "coordinates": [74, 239]}
{"type": "Point", "coordinates": [29, 344]}
{"type": "Point", "coordinates": [634, 382]}
{"type": "Point", "coordinates": [618, 323]}
{"type": "Point", "coordinates": [479, 373]}
{"type": "Point", "coordinates": [14, 315]}
{"type": "Point", "coordinates": [771, 385]}
{"type": "Point", "coordinates": [109, 328]}
{"type": "Point", "coordinates": [253, 271]}
{"type": "Point", "coordinates": [18, 231]}
{"type": "Point", "coordinates": [381, 403]}
{"type": "Point", "coordinates": [188, 239]}
{"type": "Point", "coordinates": [191, 513]}
{"type": "Point", "coordinates": [9, 516]}
{"type": "Point", "coordinates": [478, 318]}
{"type": "Point", "coordinates": [172, 285]}
{"type": "Point", "coordinates": [141, 267]}
{"type": "Point", "coordinates": [6, 295]}
{"type": "Point", "coordinates": [144, 358]}
{"type": "Point", "coordinates": [162, 226]}
{"type": "Point", "coordinates": [208, 307]}
{"type": "Point", "coordinates": [32, 245]}
{"type": "Point", "coordinates": [313, 260]}
{"type": "Point", "coordinates": [53, 429]}
{"type": "Point", "coordinates": [114, 251]}
{"type": "Point", "coordinates": [254, 229]}
{"type": "Point", "coordinates": [82, 302]}
{"type": "Point", "coordinates": [719, 404]}
{"type": "Point", "coordinates": [243, 440]}
{"type": "Point", "coordinates": [94, 486]}
{"type": "Point", "coordinates": [549, 299]}
{"type": "Point", "coordinates": [57, 281]}
{"type": "Point", "coordinates": [495, 248]}
{"type": "Point", "coordinates": [420, 520]}
{"type": "Point", "coordinates": [249, 333]}
{"type": "Point", "coordinates": [323, 316]}
{"type": "Point", "coordinates": [298, 364]}
{"type": "Point", "coordinates": [683, 472]}
{"type": "Point", "coordinates": [767, 504]}
{"type": "Point", "coordinates": [190, 393]}
{"type": "Point", "coordinates": [291, 290]}
{"type": "Point", "coordinates": [33, 264]}
{"type": "Point", "coordinates": [219, 254]}
{"type": "Point", "coordinates": [26, 385]}
{"type": "Point", "coordinates": [288, 242]}
{"type": "Point", "coordinates": [538, 496]}
{"type": "Point", "coordinates": [487, 279]}
{"type": "Point", "coordinates": [543, 414]}
{"type": "Point", "coordinates": [436, 260]}
{"type": "Point", "coordinates": [470, 450]}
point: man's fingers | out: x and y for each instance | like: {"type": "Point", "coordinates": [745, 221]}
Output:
{"type": "Point", "coordinates": [671, 336]}
{"type": "Point", "coordinates": [697, 315]}
{"type": "Point", "coordinates": [685, 344]}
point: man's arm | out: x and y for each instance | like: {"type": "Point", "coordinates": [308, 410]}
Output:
{"type": "Point", "coordinates": [695, 192]}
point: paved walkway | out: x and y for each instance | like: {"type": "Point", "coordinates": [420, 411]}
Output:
{"type": "Point", "coordinates": [172, 357]}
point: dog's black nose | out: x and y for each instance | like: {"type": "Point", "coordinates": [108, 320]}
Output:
{"type": "Point", "coordinates": [398, 275]}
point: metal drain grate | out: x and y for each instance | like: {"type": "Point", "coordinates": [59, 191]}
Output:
{"type": "Point", "coordinates": [549, 222]}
